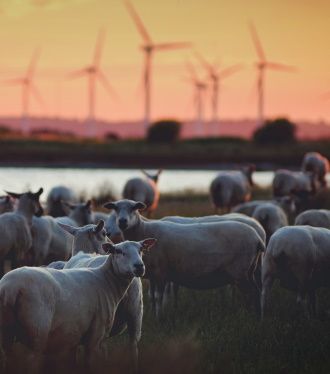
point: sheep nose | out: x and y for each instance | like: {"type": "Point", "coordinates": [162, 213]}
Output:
{"type": "Point", "coordinates": [139, 269]}
{"type": "Point", "coordinates": [123, 223]}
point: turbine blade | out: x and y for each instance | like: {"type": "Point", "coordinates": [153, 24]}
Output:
{"type": "Point", "coordinates": [280, 67]}
{"type": "Point", "coordinates": [191, 70]}
{"type": "Point", "coordinates": [207, 66]}
{"type": "Point", "coordinates": [33, 63]}
{"type": "Point", "coordinates": [106, 84]}
{"type": "Point", "coordinates": [12, 82]}
{"type": "Point", "coordinates": [77, 74]}
{"type": "Point", "coordinates": [138, 22]}
{"type": "Point", "coordinates": [99, 47]}
{"type": "Point", "coordinates": [230, 71]}
{"type": "Point", "coordinates": [256, 42]}
{"type": "Point", "coordinates": [36, 93]}
{"type": "Point", "coordinates": [169, 46]}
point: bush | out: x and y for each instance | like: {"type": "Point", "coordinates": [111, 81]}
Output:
{"type": "Point", "coordinates": [277, 131]}
{"type": "Point", "coordinates": [164, 131]}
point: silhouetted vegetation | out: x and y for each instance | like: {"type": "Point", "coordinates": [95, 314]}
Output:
{"type": "Point", "coordinates": [164, 131]}
{"type": "Point", "coordinates": [278, 131]}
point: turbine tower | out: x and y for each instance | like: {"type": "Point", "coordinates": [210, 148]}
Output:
{"type": "Point", "coordinates": [148, 48]}
{"type": "Point", "coordinates": [94, 73]}
{"type": "Point", "coordinates": [262, 65]}
{"type": "Point", "coordinates": [216, 76]}
{"type": "Point", "coordinates": [199, 92]}
{"type": "Point", "coordinates": [28, 89]}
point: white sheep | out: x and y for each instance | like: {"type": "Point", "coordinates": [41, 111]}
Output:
{"type": "Point", "coordinates": [317, 164]}
{"type": "Point", "coordinates": [198, 256]}
{"type": "Point", "coordinates": [230, 188]}
{"type": "Point", "coordinates": [300, 257]}
{"type": "Point", "coordinates": [15, 228]}
{"type": "Point", "coordinates": [55, 311]}
{"type": "Point", "coordinates": [87, 241]}
{"type": "Point", "coordinates": [56, 196]}
{"type": "Point", "coordinates": [271, 216]}
{"type": "Point", "coordinates": [6, 204]}
{"type": "Point", "coordinates": [314, 217]}
{"type": "Point", "coordinates": [287, 203]}
{"type": "Point", "coordinates": [145, 190]}
{"type": "Point", "coordinates": [76, 214]}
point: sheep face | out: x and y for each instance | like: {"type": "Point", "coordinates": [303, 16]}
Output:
{"type": "Point", "coordinates": [127, 212]}
{"type": "Point", "coordinates": [81, 212]}
{"type": "Point", "coordinates": [127, 257]}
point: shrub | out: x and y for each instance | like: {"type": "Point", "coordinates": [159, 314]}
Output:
{"type": "Point", "coordinates": [277, 131]}
{"type": "Point", "coordinates": [164, 131]}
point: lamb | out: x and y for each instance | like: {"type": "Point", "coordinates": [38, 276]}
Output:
{"type": "Point", "coordinates": [271, 216]}
{"type": "Point", "coordinates": [6, 204]}
{"type": "Point", "coordinates": [299, 257]}
{"type": "Point", "coordinates": [314, 217]}
{"type": "Point", "coordinates": [230, 188]}
{"type": "Point", "coordinates": [55, 311]}
{"type": "Point", "coordinates": [56, 196]}
{"type": "Point", "coordinates": [89, 239]}
{"type": "Point", "coordinates": [287, 203]}
{"type": "Point", "coordinates": [145, 190]}
{"type": "Point", "coordinates": [318, 165]}
{"type": "Point", "coordinates": [76, 214]}
{"type": "Point", "coordinates": [198, 256]}
{"type": "Point", "coordinates": [15, 228]}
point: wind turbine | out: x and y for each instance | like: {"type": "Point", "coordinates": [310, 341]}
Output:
{"type": "Point", "coordinates": [216, 76]}
{"type": "Point", "coordinates": [28, 89]}
{"type": "Point", "coordinates": [149, 47]}
{"type": "Point", "coordinates": [199, 91]}
{"type": "Point", "coordinates": [261, 65]}
{"type": "Point", "coordinates": [94, 73]}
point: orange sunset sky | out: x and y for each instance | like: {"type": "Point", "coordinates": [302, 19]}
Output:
{"type": "Point", "coordinates": [294, 32]}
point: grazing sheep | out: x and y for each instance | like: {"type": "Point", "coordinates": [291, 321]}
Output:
{"type": "Point", "coordinates": [76, 214]}
{"type": "Point", "coordinates": [318, 165]}
{"type": "Point", "coordinates": [89, 239]}
{"type": "Point", "coordinates": [230, 188]}
{"type": "Point", "coordinates": [198, 256]}
{"type": "Point", "coordinates": [314, 217]}
{"type": "Point", "coordinates": [287, 203]}
{"type": "Point", "coordinates": [15, 228]}
{"type": "Point", "coordinates": [300, 257]}
{"type": "Point", "coordinates": [145, 190]}
{"type": "Point", "coordinates": [271, 217]}
{"type": "Point", "coordinates": [54, 311]}
{"type": "Point", "coordinates": [6, 204]}
{"type": "Point", "coordinates": [298, 183]}
{"type": "Point", "coordinates": [56, 196]}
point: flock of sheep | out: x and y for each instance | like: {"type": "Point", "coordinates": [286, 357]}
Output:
{"type": "Point", "coordinates": [75, 277]}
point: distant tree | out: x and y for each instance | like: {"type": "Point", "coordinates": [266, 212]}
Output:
{"type": "Point", "coordinates": [164, 131]}
{"type": "Point", "coordinates": [277, 131]}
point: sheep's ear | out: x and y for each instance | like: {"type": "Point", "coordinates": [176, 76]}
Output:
{"type": "Point", "coordinates": [111, 248]}
{"type": "Point", "coordinates": [39, 192]}
{"type": "Point", "coordinates": [139, 206]}
{"type": "Point", "coordinates": [111, 205]}
{"type": "Point", "coordinates": [67, 206]}
{"type": "Point", "coordinates": [14, 195]}
{"type": "Point", "coordinates": [99, 227]}
{"type": "Point", "coordinates": [159, 172]}
{"type": "Point", "coordinates": [70, 229]}
{"type": "Point", "coordinates": [88, 203]}
{"type": "Point", "coordinates": [7, 198]}
{"type": "Point", "coordinates": [146, 244]}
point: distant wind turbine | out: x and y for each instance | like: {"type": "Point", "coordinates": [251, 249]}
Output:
{"type": "Point", "coordinates": [216, 76]}
{"type": "Point", "coordinates": [261, 65]}
{"type": "Point", "coordinates": [94, 73]}
{"type": "Point", "coordinates": [149, 47]}
{"type": "Point", "coordinates": [199, 92]}
{"type": "Point", "coordinates": [28, 89]}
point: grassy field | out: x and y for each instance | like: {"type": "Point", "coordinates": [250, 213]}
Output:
{"type": "Point", "coordinates": [211, 332]}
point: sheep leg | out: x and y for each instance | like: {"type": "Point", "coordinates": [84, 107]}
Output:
{"type": "Point", "coordinates": [151, 293]}
{"type": "Point", "coordinates": [265, 291]}
{"type": "Point", "coordinates": [159, 295]}
{"type": "Point", "coordinates": [312, 303]}
{"type": "Point", "coordinates": [134, 327]}
{"type": "Point", "coordinates": [176, 294]}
